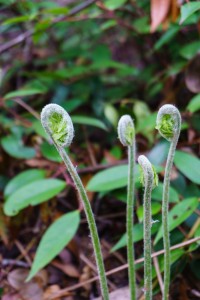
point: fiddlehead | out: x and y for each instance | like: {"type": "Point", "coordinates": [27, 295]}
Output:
{"type": "Point", "coordinates": [58, 124]}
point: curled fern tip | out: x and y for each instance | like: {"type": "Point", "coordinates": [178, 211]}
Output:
{"type": "Point", "coordinates": [58, 124]}
{"type": "Point", "coordinates": [126, 130]}
{"type": "Point", "coordinates": [168, 121]}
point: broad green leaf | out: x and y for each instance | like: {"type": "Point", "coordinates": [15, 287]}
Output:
{"type": "Point", "coordinates": [56, 11]}
{"type": "Point", "coordinates": [190, 50]}
{"type": "Point", "coordinates": [15, 148]}
{"type": "Point", "coordinates": [22, 179]}
{"type": "Point", "coordinates": [157, 193]}
{"type": "Point", "coordinates": [179, 214]}
{"type": "Point", "coordinates": [37, 126]}
{"type": "Point", "coordinates": [114, 4]}
{"type": "Point", "coordinates": [32, 194]}
{"type": "Point", "coordinates": [50, 152]}
{"type": "Point", "coordinates": [189, 165]}
{"type": "Point", "coordinates": [158, 154]}
{"type": "Point", "coordinates": [57, 236]}
{"type": "Point", "coordinates": [141, 25]}
{"type": "Point", "coordinates": [137, 235]}
{"type": "Point", "coordinates": [167, 37]}
{"type": "Point", "coordinates": [72, 104]}
{"type": "Point", "coordinates": [24, 93]}
{"type": "Point", "coordinates": [84, 120]}
{"type": "Point", "coordinates": [194, 104]}
{"type": "Point", "coordinates": [15, 20]}
{"type": "Point", "coordinates": [110, 179]}
{"type": "Point", "coordinates": [189, 9]}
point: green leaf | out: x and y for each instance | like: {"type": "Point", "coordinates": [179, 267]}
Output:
{"type": "Point", "coordinates": [179, 214]}
{"type": "Point", "coordinates": [167, 37]}
{"type": "Point", "coordinates": [157, 193]}
{"type": "Point", "coordinates": [50, 152]}
{"type": "Point", "coordinates": [24, 93]}
{"type": "Point", "coordinates": [194, 104]}
{"type": "Point", "coordinates": [15, 20]}
{"type": "Point", "coordinates": [89, 121]}
{"type": "Point", "coordinates": [15, 148]}
{"type": "Point", "coordinates": [22, 179]}
{"type": "Point", "coordinates": [56, 11]}
{"type": "Point", "coordinates": [57, 236]}
{"type": "Point", "coordinates": [189, 9]}
{"type": "Point", "coordinates": [190, 50]}
{"type": "Point", "coordinates": [137, 235]}
{"type": "Point", "coordinates": [37, 126]}
{"type": "Point", "coordinates": [114, 4]}
{"type": "Point", "coordinates": [32, 194]}
{"type": "Point", "coordinates": [189, 165]}
{"type": "Point", "coordinates": [110, 179]}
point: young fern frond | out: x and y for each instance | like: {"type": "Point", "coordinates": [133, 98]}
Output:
{"type": "Point", "coordinates": [149, 180]}
{"type": "Point", "coordinates": [169, 126]}
{"type": "Point", "coordinates": [126, 133]}
{"type": "Point", "coordinates": [58, 125]}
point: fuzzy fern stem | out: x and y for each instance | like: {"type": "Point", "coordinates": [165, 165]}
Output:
{"type": "Point", "coordinates": [169, 126]}
{"type": "Point", "coordinates": [59, 127]}
{"type": "Point", "coordinates": [126, 134]}
{"type": "Point", "coordinates": [149, 181]}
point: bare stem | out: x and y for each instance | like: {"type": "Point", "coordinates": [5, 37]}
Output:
{"type": "Point", "coordinates": [90, 219]}
{"type": "Point", "coordinates": [147, 241]}
{"type": "Point", "coordinates": [129, 221]}
{"type": "Point", "coordinates": [165, 208]}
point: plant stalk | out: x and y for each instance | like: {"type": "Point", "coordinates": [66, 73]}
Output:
{"type": "Point", "coordinates": [147, 240]}
{"type": "Point", "coordinates": [165, 208]}
{"type": "Point", "coordinates": [90, 219]}
{"type": "Point", "coordinates": [129, 221]}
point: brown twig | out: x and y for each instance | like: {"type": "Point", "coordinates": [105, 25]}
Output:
{"type": "Point", "coordinates": [118, 269]}
{"type": "Point", "coordinates": [157, 268]}
{"type": "Point", "coordinates": [28, 108]}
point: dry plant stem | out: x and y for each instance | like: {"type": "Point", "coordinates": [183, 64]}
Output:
{"type": "Point", "coordinates": [129, 221]}
{"type": "Point", "coordinates": [91, 221]}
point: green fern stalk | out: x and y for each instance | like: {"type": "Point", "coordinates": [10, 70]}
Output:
{"type": "Point", "coordinates": [169, 126]}
{"type": "Point", "coordinates": [59, 127]}
{"type": "Point", "coordinates": [126, 134]}
{"type": "Point", "coordinates": [149, 181]}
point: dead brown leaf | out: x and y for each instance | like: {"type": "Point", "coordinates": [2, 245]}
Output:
{"type": "Point", "coordinates": [122, 294]}
{"type": "Point", "coordinates": [32, 290]}
{"type": "Point", "coordinates": [68, 269]}
{"type": "Point", "coordinates": [159, 12]}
